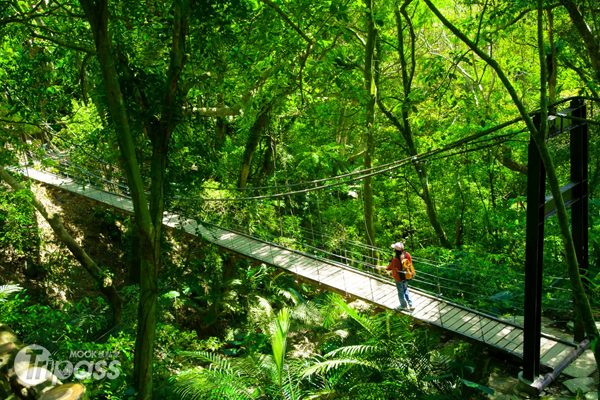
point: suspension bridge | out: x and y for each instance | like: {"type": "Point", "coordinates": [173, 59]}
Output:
{"type": "Point", "coordinates": [341, 278]}
{"type": "Point", "coordinates": [348, 267]}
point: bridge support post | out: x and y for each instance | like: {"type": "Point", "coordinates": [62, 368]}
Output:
{"type": "Point", "coordinates": [534, 251]}
{"type": "Point", "coordinates": [541, 207]}
{"type": "Point", "coordinates": [579, 209]}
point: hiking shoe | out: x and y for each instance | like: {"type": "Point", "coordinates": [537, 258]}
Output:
{"type": "Point", "coordinates": [400, 309]}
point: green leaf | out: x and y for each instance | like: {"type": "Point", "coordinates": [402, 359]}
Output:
{"type": "Point", "coordinates": [484, 389]}
{"type": "Point", "coordinates": [279, 340]}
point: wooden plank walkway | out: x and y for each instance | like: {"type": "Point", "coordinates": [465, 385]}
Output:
{"type": "Point", "coordinates": [340, 278]}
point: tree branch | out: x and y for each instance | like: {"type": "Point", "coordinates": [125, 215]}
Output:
{"type": "Point", "coordinates": [520, 17]}
{"type": "Point", "coordinates": [504, 157]}
{"type": "Point", "coordinates": [20, 122]}
{"type": "Point", "coordinates": [236, 109]}
{"type": "Point", "coordinates": [63, 43]}
{"type": "Point", "coordinates": [493, 63]}
{"type": "Point", "coordinates": [591, 45]}
{"type": "Point", "coordinates": [582, 75]}
{"type": "Point", "coordinates": [289, 21]}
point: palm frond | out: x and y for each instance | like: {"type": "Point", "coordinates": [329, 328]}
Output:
{"type": "Point", "coordinates": [253, 365]}
{"type": "Point", "coordinates": [341, 333]}
{"type": "Point", "coordinates": [290, 388]}
{"type": "Point", "coordinates": [323, 394]}
{"type": "Point", "coordinates": [328, 365]}
{"type": "Point", "coordinates": [350, 351]}
{"type": "Point", "coordinates": [307, 312]}
{"type": "Point", "coordinates": [331, 311]}
{"type": "Point", "coordinates": [233, 282]}
{"type": "Point", "coordinates": [218, 360]}
{"type": "Point", "coordinates": [370, 325]}
{"type": "Point", "coordinates": [286, 294]}
{"type": "Point", "coordinates": [263, 306]}
{"type": "Point", "coordinates": [397, 328]}
{"type": "Point", "coordinates": [298, 299]}
{"type": "Point", "coordinates": [5, 290]}
{"type": "Point", "coordinates": [199, 384]}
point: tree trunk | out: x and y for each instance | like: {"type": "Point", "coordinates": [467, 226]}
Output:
{"type": "Point", "coordinates": [221, 130]}
{"type": "Point", "coordinates": [268, 164]}
{"type": "Point", "coordinates": [100, 277]}
{"type": "Point", "coordinates": [252, 143]}
{"type": "Point", "coordinates": [148, 215]}
{"type": "Point", "coordinates": [458, 239]}
{"type": "Point", "coordinates": [370, 122]}
{"type": "Point", "coordinates": [135, 261]}
{"type": "Point", "coordinates": [98, 17]}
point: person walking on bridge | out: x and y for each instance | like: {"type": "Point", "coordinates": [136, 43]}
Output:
{"type": "Point", "coordinates": [400, 276]}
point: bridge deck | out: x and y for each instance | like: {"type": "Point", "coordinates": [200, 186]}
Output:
{"type": "Point", "coordinates": [465, 322]}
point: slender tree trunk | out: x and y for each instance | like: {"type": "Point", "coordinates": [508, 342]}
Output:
{"type": "Point", "coordinates": [268, 158]}
{"type": "Point", "coordinates": [100, 277]}
{"type": "Point", "coordinates": [404, 125]}
{"type": "Point", "coordinates": [220, 130]}
{"type": "Point", "coordinates": [370, 122]}
{"type": "Point", "coordinates": [552, 62]}
{"type": "Point", "coordinates": [252, 144]}
{"type": "Point", "coordinates": [98, 17]}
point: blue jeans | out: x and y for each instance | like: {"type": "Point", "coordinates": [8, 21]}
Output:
{"type": "Point", "coordinates": [403, 294]}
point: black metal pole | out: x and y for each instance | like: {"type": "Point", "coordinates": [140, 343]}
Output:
{"type": "Point", "coordinates": [579, 209]}
{"type": "Point", "coordinates": [536, 180]}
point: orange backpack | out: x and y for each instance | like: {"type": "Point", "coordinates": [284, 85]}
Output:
{"type": "Point", "coordinates": [407, 269]}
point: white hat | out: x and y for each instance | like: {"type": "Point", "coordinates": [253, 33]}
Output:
{"type": "Point", "coordinates": [398, 246]}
